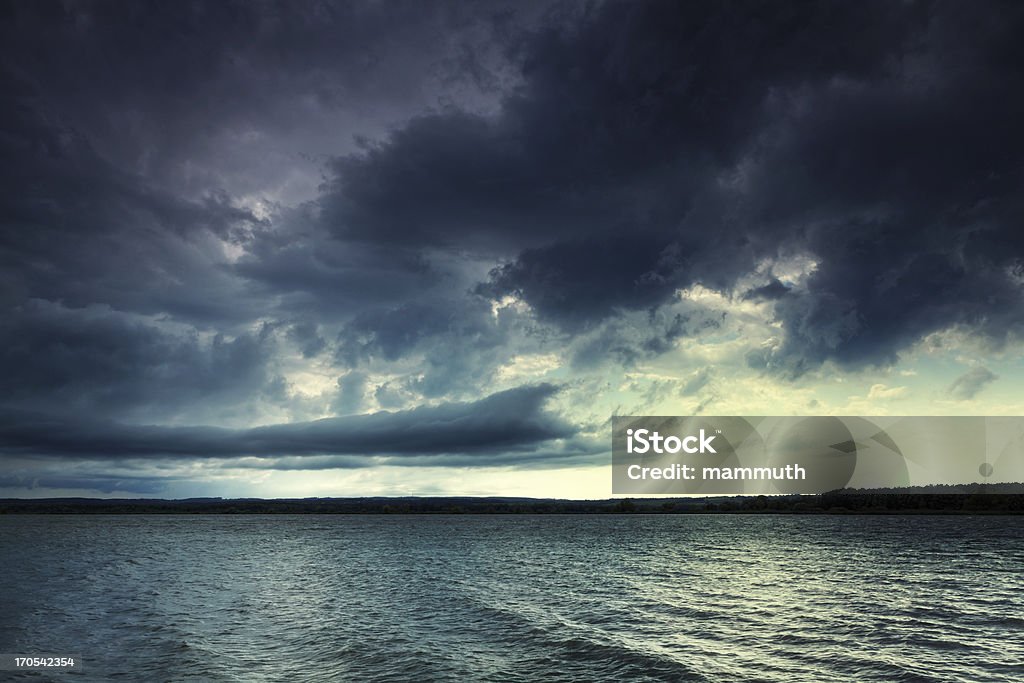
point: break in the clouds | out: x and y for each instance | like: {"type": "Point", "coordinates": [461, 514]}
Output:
{"type": "Point", "coordinates": [299, 232]}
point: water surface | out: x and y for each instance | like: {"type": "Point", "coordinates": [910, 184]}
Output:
{"type": "Point", "coordinates": [517, 598]}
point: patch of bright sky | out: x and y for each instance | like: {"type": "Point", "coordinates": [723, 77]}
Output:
{"type": "Point", "coordinates": [569, 482]}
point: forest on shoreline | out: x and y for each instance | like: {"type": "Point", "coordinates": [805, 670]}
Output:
{"type": "Point", "coordinates": [940, 499]}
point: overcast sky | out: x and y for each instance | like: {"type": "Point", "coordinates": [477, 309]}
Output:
{"type": "Point", "coordinates": [330, 248]}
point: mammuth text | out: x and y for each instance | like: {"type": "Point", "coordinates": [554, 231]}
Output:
{"type": "Point", "coordinates": [787, 472]}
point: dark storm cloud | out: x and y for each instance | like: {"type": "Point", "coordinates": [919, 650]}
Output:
{"type": "Point", "coordinates": [510, 421]}
{"type": "Point", "coordinates": [621, 115]}
{"type": "Point", "coordinates": [656, 145]}
{"type": "Point", "coordinates": [458, 343]}
{"type": "Point", "coordinates": [78, 230]}
{"type": "Point", "coordinates": [99, 362]}
{"type": "Point", "coordinates": [630, 340]}
{"type": "Point", "coordinates": [130, 136]}
{"type": "Point", "coordinates": [181, 90]}
{"type": "Point", "coordinates": [306, 335]}
{"type": "Point", "coordinates": [107, 198]}
{"type": "Point", "coordinates": [391, 333]}
{"type": "Point", "coordinates": [580, 282]}
{"type": "Point", "coordinates": [307, 272]}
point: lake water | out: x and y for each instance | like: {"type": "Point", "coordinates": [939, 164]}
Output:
{"type": "Point", "coordinates": [510, 598]}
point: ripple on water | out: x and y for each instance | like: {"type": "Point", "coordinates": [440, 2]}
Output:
{"type": "Point", "coordinates": [632, 598]}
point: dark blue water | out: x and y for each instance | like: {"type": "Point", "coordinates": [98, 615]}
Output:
{"type": "Point", "coordinates": [507, 598]}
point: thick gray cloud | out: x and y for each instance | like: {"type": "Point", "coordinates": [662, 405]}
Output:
{"type": "Point", "coordinates": [508, 421]}
{"type": "Point", "coordinates": [298, 270]}
{"type": "Point", "coordinates": [457, 343]}
{"type": "Point", "coordinates": [98, 362]}
{"type": "Point", "coordinates": [75, 228]}
{"type": "Point", "coordinates": [145, 257]}
{"type": "Point", "coordinates": [306, 334]}
{"type": "Point", "coordinates": [238, 94]}
{"type": "Point", "coordinates": [351, 393]}
{"type": "Point", "coordinates": [657, 145]}
{"type": "Point", "coordinates": [578, 283]}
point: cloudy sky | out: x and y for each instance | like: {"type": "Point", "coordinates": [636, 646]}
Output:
{"type": "Point", "coordinates": [327, 248]}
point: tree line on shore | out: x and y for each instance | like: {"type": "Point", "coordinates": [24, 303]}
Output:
{"type": "Point", "coordinates": [994, 498]}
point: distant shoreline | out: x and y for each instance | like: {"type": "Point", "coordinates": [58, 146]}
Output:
{"type": "Point", "coordinates": [1003, 499]}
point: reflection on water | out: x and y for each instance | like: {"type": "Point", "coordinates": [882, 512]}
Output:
{"type": "Point", "coordinates": [451, 598]}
